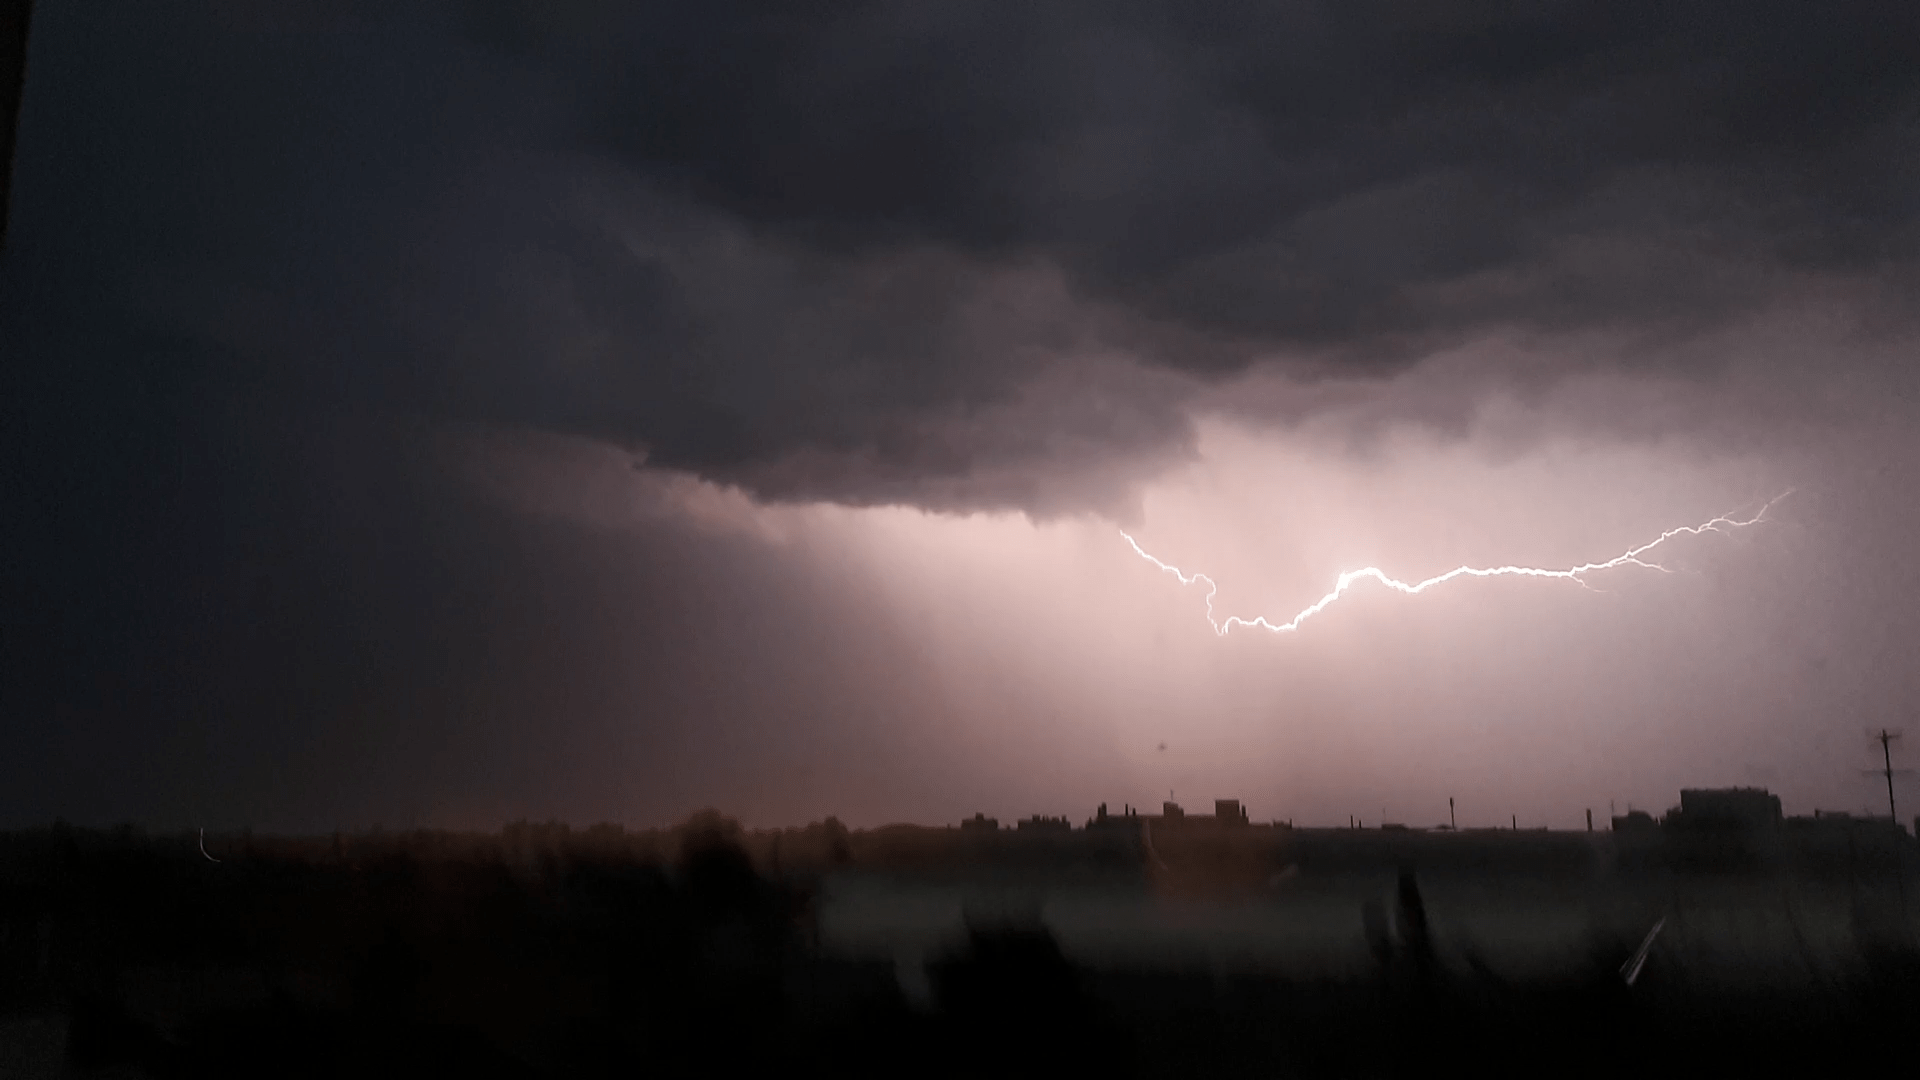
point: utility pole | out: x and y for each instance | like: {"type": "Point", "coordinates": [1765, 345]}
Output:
{"type": "Point", "coordinates": [1885, 738]}
{"type": "Point", "coordinates": [1886, 759]}
{"type": "Point", "coordinates": [1453, 823]}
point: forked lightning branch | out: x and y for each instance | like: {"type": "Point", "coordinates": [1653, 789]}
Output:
{"type": "Point", "coordinates": [1637, 557]}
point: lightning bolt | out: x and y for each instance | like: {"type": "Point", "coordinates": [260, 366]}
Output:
{"type": "Point", "coordinates": [1725, 523]}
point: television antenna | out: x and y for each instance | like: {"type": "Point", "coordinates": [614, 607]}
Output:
{"type": "Point", "coordinates": [1885, 737]}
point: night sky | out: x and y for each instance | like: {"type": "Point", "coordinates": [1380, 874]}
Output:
{"type": "Point", "coordinates": [446, 414]}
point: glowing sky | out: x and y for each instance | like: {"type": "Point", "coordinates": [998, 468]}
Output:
{"type": "Point", "coordinates": [562, 410]}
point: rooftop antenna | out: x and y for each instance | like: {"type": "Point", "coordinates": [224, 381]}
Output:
{"type": "Point", "coordinates": [1885, 738]}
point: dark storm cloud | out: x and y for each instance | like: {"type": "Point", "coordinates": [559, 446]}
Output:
{"type": "Point", "coordinates": [1345, 187]}
{"type": "Point", "coordinates": [1348, 184]}
{"type": "Point", "coordinates": [1282, 173]}
{"type": "Point", "coordinates": [958, 255]}
{"type": "Point", "coordinates": [1353, 183]}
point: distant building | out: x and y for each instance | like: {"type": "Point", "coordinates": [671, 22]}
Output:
{"type": "Point", "coordinates": [1840, 822]}
{"type": "Point", "coordinates": [1036, 823]}
{"type": "Point", "coordinates": [1864, 843]}
{"type": "Point", "coordinates": [1226, 812]}
{"type": "Point", "coordinates": [1726, 809]}
{"type": "Point", "coordinates": [980, 823]}
{"type": "Point", "coordinates": [1126, 819]}
{"type": "Point", "coordinates": [1635, 821]}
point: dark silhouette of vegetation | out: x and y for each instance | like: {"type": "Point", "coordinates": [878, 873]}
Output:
{"type": "Point", "coordinates": [542, 951]}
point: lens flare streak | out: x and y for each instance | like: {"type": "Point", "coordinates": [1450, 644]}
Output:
{"type": "Point", "coordinates": [1725, 523]}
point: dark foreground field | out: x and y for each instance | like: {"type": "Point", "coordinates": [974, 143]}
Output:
{"type": "Point", "coordinates": [129, 957]}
